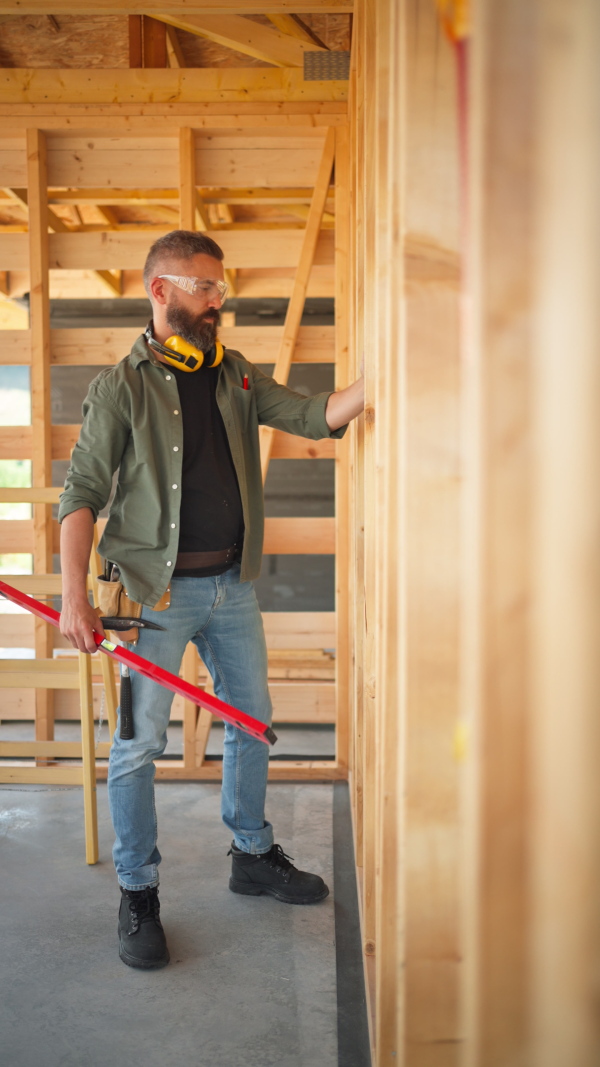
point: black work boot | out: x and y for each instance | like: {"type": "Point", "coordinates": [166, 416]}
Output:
{"type": "Point", "coordinates": [273, 873]}
{"type": "Point", "coordinates": [142, 941]}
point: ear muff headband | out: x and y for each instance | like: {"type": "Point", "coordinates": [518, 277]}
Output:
{"type": "Point", "coordinates": [183, 355]}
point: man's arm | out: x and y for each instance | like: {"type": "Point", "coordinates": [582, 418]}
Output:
{"type": "Point", "coordinates": [345, 405]}
{"type": "Point", "coordinates": [78, 618]}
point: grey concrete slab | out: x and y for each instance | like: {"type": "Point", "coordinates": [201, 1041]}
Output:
{"type": "Point", "coordinates": [252, 981]}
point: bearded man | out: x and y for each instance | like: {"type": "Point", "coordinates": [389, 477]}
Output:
{"type": "Point", "coordinates": [178, 418]}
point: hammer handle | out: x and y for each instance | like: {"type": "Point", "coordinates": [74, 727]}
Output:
{"type": "Point", "coordinates": [126, 707]}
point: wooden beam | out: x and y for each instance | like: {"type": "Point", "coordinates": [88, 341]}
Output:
{"type": "Point", "coordinates": [127, 250]}
{"type": "Point", "coordinates": [106, 345]}
{"type": "Point", "coordinates": [136, 51]}
{"type": "Point", "coordinates": [233, 84]}
{"type": "Point", "coordinates": [174, 50]}
{"type": "Point", "coordinates": [246, 36]}
{"type": "Point", "coordinates": [295, 27]}
{"type": "Point", "coordinates": [186, 7]}
{"type": "Point", "coordinates": [167, 117]}
{"type": "Point", "coordinates": [147, 42]}
{"type": "Point", "coordinates": [166, 197]}
{"type": "Point", "coordinates": [296, 304]}
{"type": "Point", "coordinates": [41, 415]}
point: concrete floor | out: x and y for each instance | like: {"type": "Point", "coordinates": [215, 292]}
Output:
{"type": "Point", "coordinates": [252, 981]}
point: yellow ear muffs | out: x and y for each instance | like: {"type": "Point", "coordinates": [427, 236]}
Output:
{"type": "Point", "coordinates": [185, 356]}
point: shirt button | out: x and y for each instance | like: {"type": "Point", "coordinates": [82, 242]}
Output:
{"type": "Point", "coordinates": [176, 448]}
{"type": "Point", "coordinates": [176, 412]}
{"type": "Point", "coordinates": [167, 377]}
{"type": "Point", "coordinates": [173, 487]}
{"type": "Point", "coordinates": [172, 525]}
{"type": "Point", "coordinates": [168, 563]}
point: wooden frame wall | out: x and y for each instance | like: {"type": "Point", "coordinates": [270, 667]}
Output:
{"type": "Point", "coordinates": [289, 145]}
{"type": "Point", "coordinates": [475, 506]}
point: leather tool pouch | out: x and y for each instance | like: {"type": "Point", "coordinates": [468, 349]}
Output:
{"type": "Point", "coordinates": [113, 600]}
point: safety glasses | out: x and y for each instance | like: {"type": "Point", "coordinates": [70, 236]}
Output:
{"type": "Point", "coordinates": [204, 287]}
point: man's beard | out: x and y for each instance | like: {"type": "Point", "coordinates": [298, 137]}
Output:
{"type": "Point", "coordinates": [197, 330]}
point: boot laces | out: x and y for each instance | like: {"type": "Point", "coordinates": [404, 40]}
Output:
{"type": "Point", "coordinates": [143, 907]}
{"type": "Point", "coordinates": [278, 859]}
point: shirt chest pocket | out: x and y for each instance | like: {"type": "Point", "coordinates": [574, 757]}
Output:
{"type": "Point", "coordinates": [242, 403]}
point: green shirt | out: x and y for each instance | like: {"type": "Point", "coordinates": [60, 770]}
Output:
{"type": "Point", "coordinates": [132, 422]}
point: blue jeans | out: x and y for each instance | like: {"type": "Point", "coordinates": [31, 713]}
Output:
{"type": "Point", "coordinates": [221, 616]}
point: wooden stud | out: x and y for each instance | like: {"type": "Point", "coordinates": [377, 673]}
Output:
{"type": "Point", "coordinates": [147, 42]}
{"type": "Point", "coordinates": [343, 470]}
{"type": "Point", "coordinates": [187, 180]}
{"type": "Point", "coordinates": [40, 394]}
{"type": "Point", "coordinates": [136, 49]}
{"type": "Point", "coordinates": [189, 671]}
{"type": "Point", "coordinates": [389, 351]}
{"type": "Point", "coordinates": [565, 915]}
{"type": "Point", "coordinates": [154, 41]}
{"type": "Point", "coordinates": [296, 304]}
{"type": "Point", "coordinates": [497, 592]}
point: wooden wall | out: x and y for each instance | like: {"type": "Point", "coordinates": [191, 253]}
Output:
{"type": "Point", "coordinates": [475, 527]}
{"type": "Point", "coordinates": [279, 161]}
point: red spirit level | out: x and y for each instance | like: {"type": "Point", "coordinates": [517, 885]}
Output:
{"type": "Point", "coordinates": [229, 714]}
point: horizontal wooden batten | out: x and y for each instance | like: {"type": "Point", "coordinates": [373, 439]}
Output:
{"type": "Point", "coordinates": [256, 284]}
{"type": "Point", "coordinates": [284, 630]}
{"type": "Point", "coordinates": [41, 775]}
{"type": "Point", "coordinates": [235, 84]}
{"type": "Point", "coordinates": [128, 251]}
{"type": "Point", "coordinates": [16, 442]}
{"type": "Point", "coordinates": [312, 536]}
{"type": "Point", "coordinates": [49, 749]}
{"type": "Point", "coordinates": [184, 7]}
{"type": "Point", "coordinates": [250, 158]}
{"type": "Point", "coordinates": [270, 163]}
{"type": "Point", "coordinates": [97, 346]}
{"type": "Point", "coordinates": [302, 702]}
{"type": "Point", "coordinates": [158, 118]}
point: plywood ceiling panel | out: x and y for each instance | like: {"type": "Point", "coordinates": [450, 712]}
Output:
{"type": "Point", "coordinates": [96, 41]}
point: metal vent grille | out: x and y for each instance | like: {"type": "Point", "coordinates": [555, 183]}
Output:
{"type": "Point", "coordinates": [326, 66]}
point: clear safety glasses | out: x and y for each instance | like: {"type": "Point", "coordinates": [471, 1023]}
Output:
{"type": "Point", "coordinates": [199, 286]}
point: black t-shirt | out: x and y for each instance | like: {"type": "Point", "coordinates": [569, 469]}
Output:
{"type": "Point", "coordinates": [211, 514]}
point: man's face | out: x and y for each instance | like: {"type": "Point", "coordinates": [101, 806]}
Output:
{"type": "Point", "coordinates": [195, 318]}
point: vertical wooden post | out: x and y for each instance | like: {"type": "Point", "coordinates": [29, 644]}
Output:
{"type": "Point", "coordinates": [147, 42]}
{"type": "Point", "coordinates": [498, 588]}
{"type": "Point", "coordinates": [389, 357]}
{"type": "Point", "coordinates": [565, 912]}
{"type": "Point", "coordinates": [41, 415]}
{"type": "Point", "coordinates": [343, 469]}
{"type": "Point", "coordinates": [367, 149]}
{"type": "Point", "coordinates": [430, 575]}
{"type": "Point", "coordinates": [191, 711]}
{"type": "Point", "coordinates": [187, 179]}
